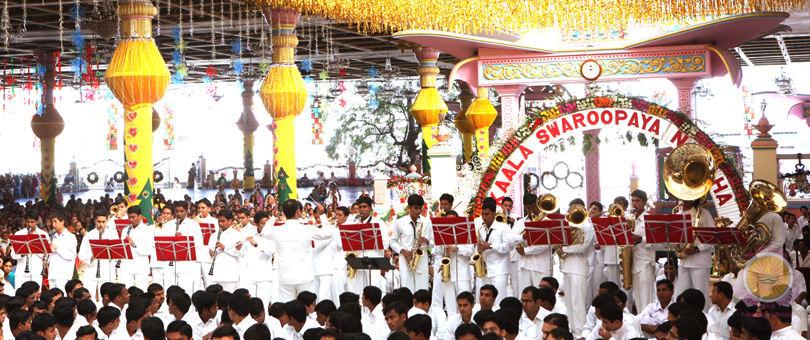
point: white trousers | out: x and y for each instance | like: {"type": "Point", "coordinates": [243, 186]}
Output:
{"type": "Point", "coordinates": [499, 281]}
{"type": "Point", "coordinates": [228, 286]}
{"type": "Point", "coordinates": [290, 292]}
{"type": "Point", "coordinates": [188, 282]}
{"type": "Point", "coordinates": [529, 278]}
{"type": "Point", "coordinates": [643, 287]}
{"type": "Point", "coordinates": [697, 278]}
{"type": "Point", "coordinates": [57, 283]}
{"type": "Point", "coordinates": [21, 277]}
{"type": "Point", "coordinates": [514, 280]}
{"type": "Point", "coordinates": [361, 280]}
{"type": "Point", "coordinates": [413, 280]}
{"type": "Point", "coordinates": [262, 290]}
{"type": "Point", "coordinates": [574, 299]}
{"type": "Point", "coordinates": [157, 277]}
{"type": "Point", "coordinates": [204, 268]}
{"type": "Point", "coordinates": [450, 291]}
{"type": "Point", "coordinates": [138, 280]}
{"type": "Point", "coordinates": [612, 274]}
{"type": "Point", "coordinates": [324, 288]}
{"type": "Point", "coordinates": [437, 295]}
{"type": "Point", "coordinates": [597, 276]}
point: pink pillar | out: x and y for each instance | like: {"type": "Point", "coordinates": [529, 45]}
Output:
{"type": "Point", "coordinates": [684, 86]}
{"type": "Point", "coordinates": [593, 188]}
{"type": "Point", "coordinates": [512, 116]}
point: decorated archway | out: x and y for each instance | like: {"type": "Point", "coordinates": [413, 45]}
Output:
{"type": "Point", "coordinates": [545, 126]}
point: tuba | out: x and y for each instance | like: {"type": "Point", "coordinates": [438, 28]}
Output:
{"type": "Point", "coordinates": [547, 203]}
{"type": "Point", "coordinates": [766, 198]}
{"type": "Point", "coordinates": [689, 174]}
{"type": "Point", "coordinates": [351, 271]}
{"type": "Point", "coordinates": [625, 252]}
{"type": "Point", "coordinates": [577, 216]}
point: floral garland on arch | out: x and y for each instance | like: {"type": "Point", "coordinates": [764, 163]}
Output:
{"type": "Point", "coordinates": [401, 182]}
{"type": "Point", "coordinates": [537, 117]}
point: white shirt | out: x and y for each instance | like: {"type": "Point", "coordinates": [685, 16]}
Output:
{"type": "Point", "coordinates": [796, 260]}
{"type": "Point", "coordinates": [226, 269]}
{"type": "Point", "coordinates": [244, 325]}
{"type": "Point", "coordinates": [799, 319]}
{"type": "Point", "coordinates": [653, 314]}
{"type": "Point", "coordinates": [294, 250]}
{"type": "Point", "coordinates": [63, 259]}
{"type": "Point", "coordinates": [325, 252]}
{"type": "Point", "coordinates": [625, 332]}
{"type": "Point", "coordinates": [643, 253]}
{"type": "Point", "coordinates": [778, 233]}
{"type": "Point", "coordinates": [453, 322]}
{"type": "Point", "coordinates": [402, 238]}
{"type": "Point", "coordinates": [702, 259]}
{"type": "Point", "coordinates": [86, 255]}
{"type": "Point", "coordinates": [532, 328]}
{"type": "Point", "coordinates": [786, 333]}
{"type": "Point", "coordinates": [259, 256]}
{"type": "Point", "coordinates": [459, 262]}
{"type": "Point", "coordinates": [188, 227]}
{"type": "Point", "coordinates": [200, 328]}
{"type": "Point", "coordinates": [590, 322]}
{"type": "Point", "coordinates": [291, 334]}
{"type": "Point", "coordinates": [791, 235]}
{"type": "Point", "coordinates": [536, 258]}
{"type": "Point", "coordinates": [577, 262]}
{"type": "Point", "coordinates": [377, 327]}
{"type": "Point", "coordinates": [721, 319]}
{"type": "Point", "coordinates": [501, 239]}
{"type": "Point", "coordinates": [144, 239]}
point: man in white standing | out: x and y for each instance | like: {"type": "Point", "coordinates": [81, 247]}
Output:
{"type": "Point", "coordinates": [63, 259]}
{"type": "Point", "coordinates": [324, 258]}
{"type": "Point", "coordinates": [643, 253]}
{"type": "Point", "coordinates": [242, 224]}
{"type": "Point", "coordinates": [140, 238]}
{"type": "Point", "coordinates": [204, 217]}
{"type": "Point", "coordinates": [575, 267]}
{"type": "Point", "coordinates": [294, 251]}
{"type": "Point", "coordinates": [693, 270]}
{"type": "Point", "coordinates": [29, 267]}
{"type": "Point", "coordinates": [187, 272]}
{"type": "Point", "coordinates": [225, 249]}
{"type": "Point", "coordinates": [535, 261]}
{"type": "Point", "coordinates": [365, 207]}
{"type": "Point", "coordinates": [259, 254]}
{"type": "Point", "coordinates": [159, 267]}
{"type": "Point", "coordinates": [494, 240]}
{"type": "Point", "coordinates": [459, 269]}
{"type": "Point", "coordinates": [411, 234]}
{"type": "Point", "coordinates": [101, 267]}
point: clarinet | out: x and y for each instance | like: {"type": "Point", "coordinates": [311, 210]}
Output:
{"type": "Point", "coordinates": [176, 230]}
{"type": "Point", "coordinates": [98, 265]}
{"type": "Point", "coordinates": [28, 258]}
{"type": "Point", "coordinates": [47, 255]}
{"type": "Point", "coordinates": [129, 230]}
{"type": "Point", "coordinates": [216, 252]}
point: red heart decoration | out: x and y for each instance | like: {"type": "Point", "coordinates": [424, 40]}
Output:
{"type": "Point", "coordinates": [132, 181]}
{"type": "Point", "coordinates": [132, 164]}
{"type": "Point", "coordinates": [133, 148]}
{"type": "Point", "coordinates": [132, 197]}
{"type": "Point", "coordinates": [275, 150]}
{"type": "Point", "coordinates": [275, 163]}
{"type": "Point", "coordinates": [133, 132]}
{"type": "Point", "coordinates": [275, 125]}
{"type": "Point", "coordinates": [132, 115]}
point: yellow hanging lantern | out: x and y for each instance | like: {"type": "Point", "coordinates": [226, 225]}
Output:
{"type": "Point", "coordinates": [480, 115]}
{"type": "Point", "coordinates": [428, 108]}
{"type": "Point", "coordinates": [138, 77]}
{"type": "Point", "coordinates": [462, 124]}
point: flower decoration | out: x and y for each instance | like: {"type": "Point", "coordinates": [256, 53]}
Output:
{"type": "Point", "coordinates": [264, 66]}
{"type": "Point", "coordinates": [371, 72]}
{"type": "Point", "coordinates": [306, 65]}
{"type": "Point", "coordinates": [236, 46]}
{"type": "Point", "coordinates": [210, 71]}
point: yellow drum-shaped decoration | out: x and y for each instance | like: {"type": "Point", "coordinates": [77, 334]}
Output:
{"type": "Point", "coordinates": [283, 93]}
{"type": "Point", "coordinates": [428, 106]}
{"type": "Point", "coordinates": [137, 72]}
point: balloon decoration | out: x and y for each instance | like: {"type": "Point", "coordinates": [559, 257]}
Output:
{"type": "Point", "coordinates": [428, 108]}
{"type": "Point", "coordinates": [138, 77]}
{"type": "Point", "coordinates": [47, 126]}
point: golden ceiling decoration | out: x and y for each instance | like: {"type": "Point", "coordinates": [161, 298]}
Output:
{"type": "Point", "coordinates": [472, 16]}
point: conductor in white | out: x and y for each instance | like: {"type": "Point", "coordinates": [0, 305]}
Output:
{"type": "Point", "coordinates": [294, 251]}
{"type": "Point", "coordinates": [410, 247]}
{"type": "Point", "coordinates": [63, 244]}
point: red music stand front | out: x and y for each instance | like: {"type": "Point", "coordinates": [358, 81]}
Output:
{"type": "Point", "coordinates": [110, 250]}
{"type": "Point", "coordinates": [207, 229]}
{"type": "Point", "coordinates": [360, 237]}
{"type": "Point", "coordinates": [719, 235]}
{"type": "Point", "coordinates": [669, 229]}
{"type": "Point", "coordinates": [547, 233]}
{"type": "Point", "coordinates": [30, 244]}
{"type": "Point", "coordinates": [612, 231]}
{"type": "Point", "coordinates": [451, 231]}
{"type": "Point", "coordinates": [175, 248]}
{"type": "Point", "coordinates": [120, 225]}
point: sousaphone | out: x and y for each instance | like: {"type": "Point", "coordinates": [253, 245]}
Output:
{"type": "Point", "coordinates": [689, 173]}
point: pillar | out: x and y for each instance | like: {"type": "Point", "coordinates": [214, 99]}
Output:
{"type": "Point", "coordinates": [593, 187]}
{"type": "Point", "coordinates": [512, 116]}
{"type": "Point", "coordinates": [444, 179]}
{"type": "Point", "coordinates": [138, 77]}
{"type": "Point", "coordinates": [428, 108]}
{"type": "Point", "coordinates": [633, 179]}
{"type": "Point", "coordinates": [684, 87]}
{"type": "Point", "coordinates": [47, 127]}
{"type": "Point", "coordinates": [284, 96]}
{"type": "Point", "coordinates": [247, 124]}
{"type": "Point", "coordinates": [765, 164]}
{"type": "Point", "coordinates": [381, 192]}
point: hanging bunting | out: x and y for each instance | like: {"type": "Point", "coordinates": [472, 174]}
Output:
{"type": "Point", "coordinates": [112, 122]}
{"type": "Point", "coordinates": [317, 125]}
{"type": "Point", "coordinates": [180, 68]}
{"type": "Point", "coordinates": [168, 130]}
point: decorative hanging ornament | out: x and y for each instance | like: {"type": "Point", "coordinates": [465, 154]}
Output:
{"type": "Point", "coordinates": [324, 75]}
{"type": "Point", "coordinates": [306, 65]}
{"type": "Point", "coordinates": [371, 72]}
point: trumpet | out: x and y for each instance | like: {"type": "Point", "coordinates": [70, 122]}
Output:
{"type": "Point", "coordinates": [114, 210]}
{"type": "Point", "coordinates": [445, 268]}
{"type": "Point", "coordinates": [351, 271]}
{"type": "Point", "coordinates": [216, 252]}
{"type": "Point", "coordinates": [577, 216]}
{"type": "Point", "coordinates": [501, 217]}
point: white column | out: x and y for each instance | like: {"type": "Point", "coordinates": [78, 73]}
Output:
{"type": "Point", "coordinates": [443, 175]}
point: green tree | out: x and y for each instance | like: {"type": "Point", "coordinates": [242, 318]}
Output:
{"type": "Point", "coordinates": [388, 134]}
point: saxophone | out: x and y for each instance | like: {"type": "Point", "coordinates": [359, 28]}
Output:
{"type": "Point", "coordinates": [352, 272]}
{"type": "Point", "coordinates": [479, 263]}
{"type": "Point", "coordinates": [416, 251]}
{"type": "Point", "coordinates": [625, 252]}
{"type": "Point", "coordinates": [445, 268]}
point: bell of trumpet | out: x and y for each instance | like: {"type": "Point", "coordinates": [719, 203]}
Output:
{"type": "Point", "coordinates": [615, 210]}
{"type": "Point", "coordinates": [547, 203]}
{"type": "Point", "coordinates": [500, 217]}
{"type": "Point", "coordinates": [577, 216]}
{"type": "Point", "coordinates": [114, 210]}
{"type": "Point", "coordinates": [766, 197]}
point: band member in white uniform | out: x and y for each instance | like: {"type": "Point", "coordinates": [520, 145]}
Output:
{"type": "Point", "coordinates": [29, 267]}
{"type": "Point", "coordinates": [445, 206]}
{"type": "Point", "coordinates": [365, 207]}
{"type": "Point", "coordinates": [294, 251]}
{"type": "Point", "coordinates": [63, 259]}
{"type": "Point", "coordinates": [159, 267]}
{"type": "Point", "coordinates": [459, 269]}
{"type": "Point", "coordinates": [324, 256]}
{"type": "Point", "coordinates": [187, 272]}
{"type": "Point", "coordinates": [104, 268]}
{"type": "Point", "coordinates": [612, 270]}
{"type": "Point", "coordinates": [411, 234]}
{"type": "Point", "coordinates": [225, 249]}
{"type": "Point", "coordinates": [643, 253]}
{"type": "Point", "coordinates": [575, 267]}
{"type": "Point", "coordinates": [693, 270]}
{"type": "Point", "coordinates": [535, 263]}
{"type": "Point", "coordinates": [204, 216]}
{"type": "Point", "coordinates": [494, 242]}
{"type": "Point", "coordinates": [514, 257]}
{"type": "Point", "coordinates": [141, 238]}
{"type": "Point", "coordinates": [596, 274]}
{"type": "Point", "coordinates": [259, 254]}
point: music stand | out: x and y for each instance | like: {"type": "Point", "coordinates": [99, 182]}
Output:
{"type": "Point", "coordinates": [174, 249]}
{"type": "Point", "coordinates": [613, 231]}
{"type": "Point", "coordinates": [719, 236]}
{"type": "Point", "coordinates": [111, 250]}
{"type": "Point", "coordinates": [207, 229]}
{"type": "Point", "coordinates": [454, 231]}
{"type": "Point", "coordinates": [30, 244]}
{"type": "Point", "coordinates": [668, 229]}
{"type": "Point", "coordinates": [120, 225]}
{"type": "Point", "coordinates": [550, 233]}
{"type": "Point", "coordinates": [362, 237]}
